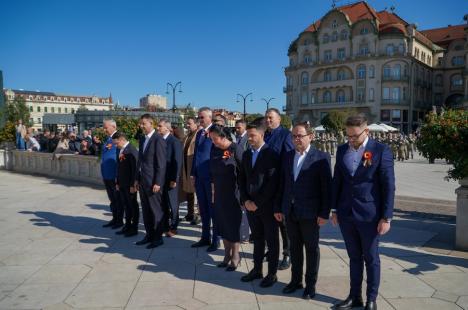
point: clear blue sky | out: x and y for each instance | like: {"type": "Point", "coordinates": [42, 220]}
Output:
{"type": "Point", "coordinates": [129, 48]}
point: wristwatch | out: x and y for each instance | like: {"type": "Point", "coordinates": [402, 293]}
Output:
{"type": "Point", "coordinates": [387, 220]}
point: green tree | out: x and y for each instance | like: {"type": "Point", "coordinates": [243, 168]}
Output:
{"type": "Point", "coordinates": [334, 121]}
{"type": "Point", "coordinates": [286, 121]}
{"type": "Point", "coordinates": [17, 110]}
{"type": "Point", "coordinates": [251, 117]}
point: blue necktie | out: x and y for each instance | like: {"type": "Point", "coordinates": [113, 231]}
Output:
{"type": "Point", "coordinates": [254, 157]}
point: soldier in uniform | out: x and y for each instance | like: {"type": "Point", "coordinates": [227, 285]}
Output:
{"type": "Point", "coordinates": [332, 143]}
{"type": "Point", "coordinates": [326, 142]}
{"type": "Point", "coordinates": [393, 145]}
{"type": "Point", "coordinates": [411, 145]}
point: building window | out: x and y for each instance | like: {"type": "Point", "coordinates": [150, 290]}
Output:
{"type": "Point", "coordinates": [334, 36]}
{"type": "Point", "coordinates": [39, 120]}
{"type": "Point", "coordinates": [341, 75]}
{"type": "Point", "coordinates": [371, 94]}
{"type": "Point", "coordinates": [340, 96]}
{"type": "Point", "coordinates": [385, 115]}
{"type": "Point", "coordinates": [438, 80]}
{"type": "Point", "coordinates": [38, 109]}
{"type": "Point", "coordinates": [371, 71]}
{"type": "Point", "coordinates": [305, 78]}
{"type": "Point", "coordinates": [360, 94]}
{"type": "Point", "coordinates": [456, 81]}
{"type": "Point", "coordinates": [341, 54]}
{"type": "Point", "coordinates": [389, 49]}
{"type": "Point", "coordinates": [397, 71]}
{"type": "Point", "coordinates": [344, 35]}
{"type": "Point", "coordinates": [52, 110]}
{"type": "Point", "coordinates": [326, 38]}
{"type": "Point", "coordinates": [396, 115]}
{"type": "Point", "coordinates": [312, 97]}
{"type": "Point", "coordinates": [305, 98]}
{"type": "Point", "coordinates": [334, 24]}
{"type": "Point", "coordinates": [73, 111]}
{"type": "Point", "coordinates": [364, 31]}
{"type": "Point", "coordinates": [327, 76]}
{"type": "Point", "coordinates": [361, 72]}
{"type": "Point", "coordinates": [458, 61]}
{"type": "Point", "coordinates": [45, 109]}
{"type": "Point", "coordinates": [363, 49]}
{"type": "Point", "coordinates": [386, 93]}
{"type": "Point", "coordinates": [60, 110]}
{"type": "Point", "coordinates": [401, 48]}
{"type": "Point", "coordinates": [396, 94]}
{"type": "Point", "coordinates": [307, 59]}
{"type": "Point", "coordinates": [306, 42]}
{"type": "Point", "coordinates": [387, 71]}
{"type": "Point", "coordinates": [328, 56]}
{"type": "Point", "coordinates": [66, 110]}
{"type": "Point", "coordinates": [327, 97]}
{"type": "Point", "coordinates": [30, 108]}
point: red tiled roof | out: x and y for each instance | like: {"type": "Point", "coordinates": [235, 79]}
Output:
{"type": "Point", "coordinates": [443, 36]}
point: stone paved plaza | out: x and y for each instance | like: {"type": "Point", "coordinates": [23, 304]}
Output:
{"type": "Point", "coordinates": [54, 254]}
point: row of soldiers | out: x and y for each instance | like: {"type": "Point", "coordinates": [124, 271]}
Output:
{"type": "Point", "coordinates": [402, 146]}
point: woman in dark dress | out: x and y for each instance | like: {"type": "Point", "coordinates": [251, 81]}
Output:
{"type": "Point", "coordinates": [224, 168]}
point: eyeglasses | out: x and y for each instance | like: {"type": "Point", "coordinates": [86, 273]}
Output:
{"type": "Point", "coordinates": [299, 136]}
{"type": "Point", "coordinates": [355, 136]}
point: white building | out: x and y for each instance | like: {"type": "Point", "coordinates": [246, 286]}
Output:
{"type": "Point", "coordinates": [153, 101]}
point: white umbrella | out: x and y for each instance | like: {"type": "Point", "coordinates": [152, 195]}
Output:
{"type": "Point", "coordinates": [319, 128]}
{"type": "Point", "coordinates": [388, 127]}
{"type": "Point", "coordinates": [375, 127]}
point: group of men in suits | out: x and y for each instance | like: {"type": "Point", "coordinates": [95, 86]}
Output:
{"type": "Point", "coordinates": [286, 187]}
{"type": "Point", "coordinates": [153, 170]}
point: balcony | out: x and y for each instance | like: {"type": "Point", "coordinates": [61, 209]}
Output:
{"type": "Point", "coordinates": [404, 78]}
{"type": "Point", "coordinates": [287, 89]}
{"type": "Point", "coordinates": [334, 105]}
{"type": "Point", "coordinates": [395, 101]}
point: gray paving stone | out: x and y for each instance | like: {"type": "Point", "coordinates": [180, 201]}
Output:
{"type": "Point", "coordinates": [162, 293]}
{"type": "Point", "coordinates": [403, 286]}
{"type": "Point", "coordinates": [34, 296]}
{"type": "Point", "coordinates": [422, 303]}
{"type": "Point", "coordinates": [50, 274]}
{"type": "Point", "coordinates": [101, 294]}
{"type": "Point", "coordinates": [463, 302]}
{"type": "Point", "coordinates": [453, 283]}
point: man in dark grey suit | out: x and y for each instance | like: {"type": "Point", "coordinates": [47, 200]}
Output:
{"type": "Point", "coordinates": [171, 190]}
{"type": "Point", "coordinates": [305, 186]}
{"type": "Point", "coordinates": [151, 172]}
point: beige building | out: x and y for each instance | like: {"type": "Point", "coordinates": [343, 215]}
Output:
{"type": "Point", "coordinates": [40, 103]}
{"type": "Point", "coordinates": [154, 101]}
{"type": "Point", "coordinates": [373, 62]}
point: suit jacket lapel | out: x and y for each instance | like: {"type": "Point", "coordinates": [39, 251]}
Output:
{"type": "Point", "coordinates": [148, 144]}
{"type": "Point", "coordinates": [307, 162]}
{"type": "Point", "coordinates": [341, 162]}
{"type": "Point", "coordinates": [369, 147]}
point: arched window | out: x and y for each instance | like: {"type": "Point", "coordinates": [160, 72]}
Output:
{"type": "Point", "coordinates": [344, 35]}
{"type": "Point", "coordinates": [363, 49]}
{"type": "Point", "coordinates": [305, 78]}
{"type": "Point", "coordinates": [371, 71]}
{"type": "Point", "coordinates": [364, 31]}
{"type": "Point", "coordinates": [327, 97]}
{"type": "Point", "coordinates": [361, 72]}
{"type": "Point", "coordinates": [458, 61]}
{"type": "Point", "coordinates": [387, 71]}
{"type": "Point", "coordinates": [341, 75]}
{"type": "Point", "coordinates": [340, 96]}
{"type": "Point", "coordinates": [327, 76]}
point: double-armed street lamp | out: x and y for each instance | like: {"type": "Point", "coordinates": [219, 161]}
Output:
{"type": "Point", "coordinates": [267, 102]}
{"type": "Point", "coordinates": [174, 88]}
{"type": "Point", "coordinates": [244, 98]}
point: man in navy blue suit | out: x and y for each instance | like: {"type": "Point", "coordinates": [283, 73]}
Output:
{"type": "Point", "coordinates": [201, 177]}
{"type": "Point", "coordinates": [170, 199]}
{"type": "Point", "coordinates": [306, 186]}
{"type": "Point", "coordinates": [363, 193]}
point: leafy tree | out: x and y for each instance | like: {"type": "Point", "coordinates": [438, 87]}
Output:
{"type": "Point", "coordinates": [17, 110]}
{"type": "Point", "coordinates": [8, 132]}
{"type": "Point", "coordinates": [286, 121]}
{"type": "Point", "coordinates": [250, 117]}
{"type": "Point", "coordinates": [334, 121]}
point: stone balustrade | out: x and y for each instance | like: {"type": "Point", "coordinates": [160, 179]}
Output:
{"type": "Point", "coordinates": [64, 166]}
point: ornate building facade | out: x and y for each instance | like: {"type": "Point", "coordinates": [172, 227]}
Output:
{"type": "Point", "coordinates": [374, 62]}
{"type": "Point", "coordinates": [40, 103]}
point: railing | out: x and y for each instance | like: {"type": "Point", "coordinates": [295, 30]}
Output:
{"type": "Point", "coordinates": [71, 167]}
{"type": "Point", "coordinates": [394, 101]}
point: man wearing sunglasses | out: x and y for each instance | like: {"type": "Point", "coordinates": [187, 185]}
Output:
{"type": "Point", "coordinates": [363, 193]}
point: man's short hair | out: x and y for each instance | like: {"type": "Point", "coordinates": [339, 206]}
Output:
{"type": "Point", "coordinates": [147, 117]}
{"type": "Point", "coordinates": [111, 122]}
{"type": "Point", "coordinates": [241, 121]}
{"type": "Point", "coordinates": [357, 120]}
{"type": "Point", "coordinates": [309, 130]}
{"type": "Point", "coordinates": [118, 135]}
{"type": "Point", "coordinates": [166, 122]}
{"type": "Point", "coordinates": [258, 123]}
{"type": "Point", "coordinates": [206, 109]}
{"type": "Point", "coordinates": [273, 110]}
{"type": "Point", "coordinates": [194, 119]}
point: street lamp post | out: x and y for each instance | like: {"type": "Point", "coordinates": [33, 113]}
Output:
{"type": "Point", "coordinates": [267, 102]}
{"type": "Point", "coordinates": [244, 98]}
{"type": "Point", "coordinates": [174, 88]}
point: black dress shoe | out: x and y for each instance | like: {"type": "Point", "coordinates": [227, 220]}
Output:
{"type": "Point", "coordinates": [222, 265]}
{"type": "Point", "coordinates": [371, 305]}
{"type": "Point", "coordinates": [131, 232]}
{"type": "Point", "coordinates": [213, 247]}
{"type": "Point", "coordinates": [200, 243]}
{"type": "Point", "coordinates": [117, 225]}
{"type": "Point", "coordinates": [143, 241]}
{"type": "Point", "coordinates": [269, 280]}
{"type": "Point", "coordinates": [109, 224]}
{"type": "Point", "coordinates": [285, 263]}
{"type": "Point", "coordinates": [155, 244]}
{"type": "Point", "coordinates": [291, 287]}
{"type": "Point", "coordinates": [350, 302]}
{"type": "Point", "coordinates": [123, 230]}
{"type": "Point", "coordinates": [252, 275]}
{"type": "Point", "coordinates": [309, 293]}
